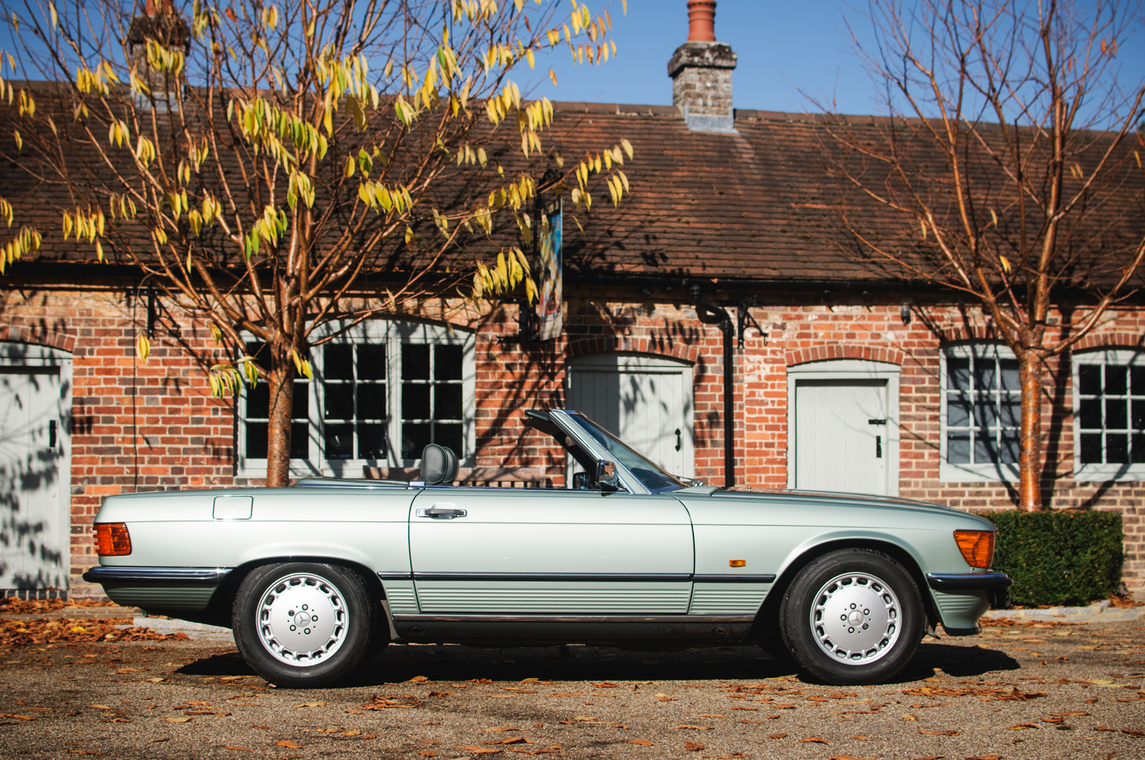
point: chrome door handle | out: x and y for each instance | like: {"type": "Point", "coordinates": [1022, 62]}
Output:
{"type": "Point", "coordinates": [442, 512]}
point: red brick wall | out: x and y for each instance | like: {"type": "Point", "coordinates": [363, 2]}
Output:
{"type": "Point", "coordinates": [155, 425]}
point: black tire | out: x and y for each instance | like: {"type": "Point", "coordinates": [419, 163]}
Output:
{"type": "Point", "coordinates": [304, 624]}
{"type": "Point", "coordinates": [852, 616]}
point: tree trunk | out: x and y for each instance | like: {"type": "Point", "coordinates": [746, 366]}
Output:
{"type": "Point", "coordinates": [281, 386]}
{"type": "Point", "coordinates": [1030, 456]}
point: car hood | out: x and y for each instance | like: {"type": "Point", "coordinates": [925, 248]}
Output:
{"type": "Point", "coordinates": [834, 498]}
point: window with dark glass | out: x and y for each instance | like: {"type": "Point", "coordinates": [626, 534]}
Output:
{"type": "Point", "coordinates": [257, 417]}
{"type": "Point", "coordinates": [432, 397]}
{"type": "Point", "coordinates": [983, 409]}
{"type": "Point", "coordinates": [354, 401]}
{"type": "Point", "coordinates": [1111, 413]}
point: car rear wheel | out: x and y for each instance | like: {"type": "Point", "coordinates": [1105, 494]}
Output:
{"type": "Point", "coordinates": [303, 624]}
{"type": "Point", "coordinates": [852, 616]}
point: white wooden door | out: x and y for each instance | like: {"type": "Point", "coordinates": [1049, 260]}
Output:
{"type": "Point", "coordinates": [34, 535]}
{"type": "Point", "coordinates": [645, 401]}
{"type": "Point", "coordinates": [34, 520]}
{"type": "Point", "coordinates": [841, 435]}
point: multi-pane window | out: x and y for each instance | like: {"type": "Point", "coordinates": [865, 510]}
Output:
{"type": "Point", "coordinates": [1109, 418]}
{"type": "Point", "coordinates": [381, 392]}
{"type": "Point", "coordinates": [982, 402]}
{"type": "Point", "coordinates": [257, 417]}
{"type": "Point", "coordinates": [433, 408]}
{"type": "Point", "coordinates": [354, 401]}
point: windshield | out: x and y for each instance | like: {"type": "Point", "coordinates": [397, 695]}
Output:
{"type": "Point", "coordinates": [650, 475]}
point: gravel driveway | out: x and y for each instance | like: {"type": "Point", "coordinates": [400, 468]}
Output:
{"type": "Point", "coordinates": [1021, 690]}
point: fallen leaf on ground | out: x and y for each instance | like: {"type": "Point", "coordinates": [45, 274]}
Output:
{"type": "Point", "coordinates": [815, 740]}
{"type": "Point", "coordinates": [641, 742]}
{"type": "Point", "coordinates": [693, 746]}
{"type": "Point", "coordinates": [288, 744]}
{"type": "Point", "coordinates": [937, 733]}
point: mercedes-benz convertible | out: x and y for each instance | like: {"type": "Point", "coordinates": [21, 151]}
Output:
{"type": "Point", "coordinates": [314, 578]}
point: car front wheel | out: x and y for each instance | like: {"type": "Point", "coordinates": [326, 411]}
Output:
{"type": "Point", "coordinates": [303, 624]}
{"type": "Point", "coordinates": [852, 616]}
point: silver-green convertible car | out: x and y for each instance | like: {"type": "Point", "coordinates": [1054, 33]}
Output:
{"type": "Point", "coordinates": [313, 579]}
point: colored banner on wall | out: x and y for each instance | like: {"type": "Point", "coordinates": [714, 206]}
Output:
{"type": "Point", "coordinates": [550, 315]}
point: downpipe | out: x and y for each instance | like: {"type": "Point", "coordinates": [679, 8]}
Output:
{"type": "Point", "coordinates": [710, 314]}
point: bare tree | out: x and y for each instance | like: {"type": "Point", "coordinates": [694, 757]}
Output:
{"type": "Point", "coordinates": [260, 160]}
{"type": "Point", "coordinates": [1008, 169]}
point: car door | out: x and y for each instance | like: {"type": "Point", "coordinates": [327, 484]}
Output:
{"type": "Point", "coordinates": [504, 551]}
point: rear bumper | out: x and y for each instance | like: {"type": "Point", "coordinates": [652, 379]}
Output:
{"type": "Point", "coordinates": [186, 589]}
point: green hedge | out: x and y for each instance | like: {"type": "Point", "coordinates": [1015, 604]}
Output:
{"type": "Point", "coordinates": [1059, 558]}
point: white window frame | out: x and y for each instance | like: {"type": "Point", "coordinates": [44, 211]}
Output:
{"type": "Point", "coordinates": [997, 472]}
{"type": "Point", "coordinates": [1101, 472]}
{"type": "Point", "coordinates": [393, 333]}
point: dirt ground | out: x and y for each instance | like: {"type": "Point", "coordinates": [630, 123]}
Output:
{"type": "Point", "coordinates": [1020, 690]}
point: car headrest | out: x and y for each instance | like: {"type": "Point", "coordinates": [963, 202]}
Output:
{"type": "Point", "coordinates": [438, 465]}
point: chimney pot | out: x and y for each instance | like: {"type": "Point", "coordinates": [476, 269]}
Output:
{"type": "Point", "coordinates": [701, 20]}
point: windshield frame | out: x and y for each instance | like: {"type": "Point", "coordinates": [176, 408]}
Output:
{"type": "Point", "coordinates": [651, 477]}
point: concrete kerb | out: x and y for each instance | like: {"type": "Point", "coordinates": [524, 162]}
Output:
{"type": "Point", "coordinates": [1098, 612]}
{"type": "Point", "coordinates": [199, 631]}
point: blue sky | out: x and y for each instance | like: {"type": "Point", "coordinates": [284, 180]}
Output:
{"type": "Point", "coordinates": [783, 48]}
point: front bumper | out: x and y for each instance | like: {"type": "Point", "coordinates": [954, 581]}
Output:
{"type": "Point", "coordinates": [962, 598]}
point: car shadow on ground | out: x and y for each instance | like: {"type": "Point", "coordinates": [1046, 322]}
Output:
{"type": "Point", "coordinates": [958, 661]}
{"type": "Point", "coordinates": [400, 663]}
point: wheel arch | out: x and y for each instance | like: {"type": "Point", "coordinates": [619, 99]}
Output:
{"type": "Point", "coordinates": [218, 611]}
{"type": "Point", "coordinates": [767, 618]}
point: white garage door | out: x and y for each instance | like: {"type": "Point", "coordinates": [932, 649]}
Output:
{"type": "Point", "coordinates": [645, 400]}
{"type": "Point", "coordinates": [34, 535]}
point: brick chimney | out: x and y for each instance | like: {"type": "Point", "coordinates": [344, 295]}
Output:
{"type": "Point", "coordinates": [701, 71]}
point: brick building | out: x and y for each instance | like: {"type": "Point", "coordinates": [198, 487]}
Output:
{"type": "Point", "coordinates": [718, 273]}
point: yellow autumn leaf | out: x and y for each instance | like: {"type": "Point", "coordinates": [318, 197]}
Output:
{"type": "Point", "coordinates": [143, 347]}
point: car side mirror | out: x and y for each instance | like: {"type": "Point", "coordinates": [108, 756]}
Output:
{"type": "Point", "coordinates": [580, 481]}
{"type": "Point", "coordinates": [607, 476]}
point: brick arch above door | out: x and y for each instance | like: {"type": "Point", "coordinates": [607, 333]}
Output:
{"type": "Point", "coordinates": [836, 351]}
{"type": "Point", "coordinates": [38, 335]}
{"type": "Point", "coordinates": [649, 345]}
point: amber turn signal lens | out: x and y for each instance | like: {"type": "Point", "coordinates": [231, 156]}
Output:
{"type": "Point", "coordinates": [977, 547]}
{"type": "Point", "coordinates": [112, 539]}
{"type": "Point", "coordinates": [737, 563]}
